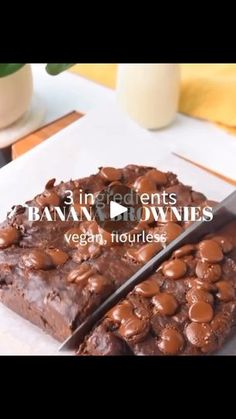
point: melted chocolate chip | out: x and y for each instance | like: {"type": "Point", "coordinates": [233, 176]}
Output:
{"type": "Point", "coordinates": [87, 251]}
{"type": "Point", "coordinates": [185, 250]}
{"type": "Point", "coordinates": [145, 184]}
{"type": "Point", "coordinates": [171, 341]}
{"type": "Point", "coordinates": [210, 251]}
{"type": "Point", "coordinates": [199, 334]}
{"type": "Point", "coordinates": [83, 272]}
{"type": "Point", "coordinates": [98, 283]}
{"type": "Point", "coordinates": [146, 252]}
{"type": "Point", "coordinates": [8, 236]}
{"type": "Point", "coordinates": [48, 198]}
{"type": "Point", "coordinates": [207, 271]}
{"type": "Point", "coordinates": [201, 312]}
{"type": "Point", "coordinates": [226, 291]}
{"type": "Point", "coordinates": [110, 174]}
{"type": "Point", "coordinates": [37, 259]}
{"type": "Point", "coordinates": [165, 304]}
{"type": "Point", "coordinates": [58, 256]}
{"type": "Point", "coordinates": [148, 288]}
{"type": "Point", "coordinates": [50, 184]}
{"type": "Point", "coordinates": [121, 313]}
{"type": "Point", "coordinates": [195, 295]}
{"type": "Point", "coordinates": [134, 329]}
{"type": "Point", "coordinates": [174, 269]}
{"type": "Point", "coordinates": [171, 231]}
{"type": "Point", "coordinates": [225, 243]}
{"type": "Point", "coordinates": [157, 176]}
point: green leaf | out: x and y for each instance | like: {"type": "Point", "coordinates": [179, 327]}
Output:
{"type": "Point", "coordinates": [7, 69]}
{"type": "Point", "coordinates": [55, 69]}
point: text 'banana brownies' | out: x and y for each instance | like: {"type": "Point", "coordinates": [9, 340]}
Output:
{"type": "Point", "coordinates": [56, 282]}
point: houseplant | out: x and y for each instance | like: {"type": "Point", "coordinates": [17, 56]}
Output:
{"type": "Point", "coordinates": [16, 89]}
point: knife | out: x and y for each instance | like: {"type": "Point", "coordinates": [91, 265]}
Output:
{"type": "Point", "coordinates": [223, 213]}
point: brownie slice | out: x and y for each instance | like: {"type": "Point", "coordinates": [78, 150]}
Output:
{"type": "Point", "coordinates": [56, 283]}
{"type": "Point", "coordinates": [187, 307]}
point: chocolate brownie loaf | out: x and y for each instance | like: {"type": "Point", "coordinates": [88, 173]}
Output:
{"type": "Point", "coordinates": [56, 283]}
{"type": "Point", "coordinates": [188, 307]}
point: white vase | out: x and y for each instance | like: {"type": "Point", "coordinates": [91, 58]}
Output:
{"type": "Point", "coordinates": [15, 95]}
{"type": "Point", "coordinates": [149, 93]}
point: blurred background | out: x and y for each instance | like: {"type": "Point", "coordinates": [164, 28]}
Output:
{"type": "Point", "coordinates": [38, 100]}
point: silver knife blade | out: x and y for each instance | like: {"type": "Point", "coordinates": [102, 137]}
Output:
{"type": "Point", "coordinates": [223, 213]}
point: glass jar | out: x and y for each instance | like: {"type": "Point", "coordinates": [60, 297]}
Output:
{"type": "Point", "coordinates": [149, 93]}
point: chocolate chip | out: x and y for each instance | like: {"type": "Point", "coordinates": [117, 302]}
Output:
{"type": "Point", "coordinates": [226, 291]}
{"type": "Point", "coordinates": [147, 215]}
{"type": "Point", "coordinates": [199, 334]}
{"type": "Point", "coordinates": [5, 270]}
{"type": "Point", "coordinates": [98, 283]}
{"type": "Point", "coordinates": [225, 244]}
{"type": "Point", "coordinates": [134, 329]}
{"type": "Point", "coordinates": [48, 198]}
{"type": "Point", "coordinates": [8, 236]}
{"type": "Point", "coordinates": [165, 304]}
{"type": "Point", "coordinates": [194, 295]}
{"type": "Point", "coordinates": [85, 252]}
{"type": "Point", "coordinates": [221, 323]}
{"type": "Point", "coordinates": [210, 251]}
{"type": "Point", "coordinates": [201, 312]}
{"type": "Point", "coordinates": [185, 250]}
{"type": "Point", "coordinates": [148, 288]}
{"type": "Point", "coordinates": [50, 184]}
{"type": "Point", "coordinates": [122, 312]}
{"type": "Point", "coordinates": [207, 271]}
{"type": "Point", "coordinates": [171, 231]}
{"type": "Point", "coordinates": [204, 286]}
{"type": "Point", "coordinates": [144, 253]}
{"type": "Point", "coordinates": [110, 174]}
{"type": "Point", "coordinates": [131, 253]}
{"type": "Point", "coordinates": [58, 256]}
{"type": "Point", "coordinates": [145, 184]}
{"type": "Point", "coordinates": [171, 341]}
{"type": "Point", "coordinates": [147, 251]}
{"type": "Point", "coordinates": [174, 269]}
{"type": "Point", "coordinates": [157, 176]}
{"type": "Point", "coordinates": [83, 272]}
{"type": "Point", "coordinates": [37, 259]}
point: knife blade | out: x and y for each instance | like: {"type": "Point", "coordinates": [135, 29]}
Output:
{"type": "Point", "coordinates": [223, 213]}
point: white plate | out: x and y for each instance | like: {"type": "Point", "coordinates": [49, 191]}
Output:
{"type": "Point", "coordinates": [103, 137]}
